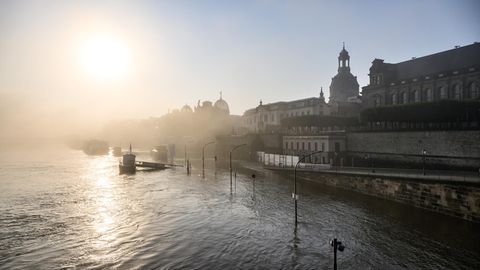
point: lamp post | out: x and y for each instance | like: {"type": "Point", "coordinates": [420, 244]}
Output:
{"type": "Point", "coordinates": [203, 158]}
{"type": "Point", "coordinates": [337, 245]}
{"type": "Point", "coordinates": [233, 149]}
{"type": "Point", "coordinates": [295, 195]}
{"type": "Point", "coordinates": [424, 153]}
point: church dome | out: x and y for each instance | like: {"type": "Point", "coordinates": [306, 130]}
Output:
{"type": "Point", "coordinates": [344, 54]}
{"type": "Point", "coordinates": [186, 108]}
{"type": "Point", "coordinates": [222, 105]}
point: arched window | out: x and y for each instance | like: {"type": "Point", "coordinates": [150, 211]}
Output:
{"type": "Point", "coordinates": [394, 99]}
{"type": "Point", "coordinates": [377, 101]}
{"type": "Point", "coordinates": [474, 90]}
{"type": "Point", "coordinates": [457, 92]}
{"type": "Point", "coordinates": [404, 98]}
{"type": "Point", "coordinates": [442, 92]}
{"type": "Point", "coordinates": [416, 96]}
{"type": "Point", "coordinates": [429, 94]}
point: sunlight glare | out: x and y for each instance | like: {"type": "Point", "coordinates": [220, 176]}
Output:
{"type": "Point", "coordinates": [105, 57]}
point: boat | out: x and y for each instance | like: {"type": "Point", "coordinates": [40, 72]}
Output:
{"type": "Point", "coordinates": [95, 147]}
{"type": "Point", "coordinates": [127, 164]}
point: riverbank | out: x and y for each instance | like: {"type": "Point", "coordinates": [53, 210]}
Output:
{"type": "Point", "coordinates": [452, 195]}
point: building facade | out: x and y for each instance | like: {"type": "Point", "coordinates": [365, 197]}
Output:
{"type": "Point", "coordinates": [344, 101]}
{"type": "Point", "coordinates": [267, 117]}
{"type": "Point", "coordinates": [452, 74]}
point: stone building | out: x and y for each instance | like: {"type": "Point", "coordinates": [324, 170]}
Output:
{"type": "Point", "coordinates": [344, 101]}
{"type": "Point", "coordinates": [267, 117]}
{"type": "Point", "coordinates": [452, 74]}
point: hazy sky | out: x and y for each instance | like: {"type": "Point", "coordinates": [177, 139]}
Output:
{"type": "Point", "coordinates": [178, 52]}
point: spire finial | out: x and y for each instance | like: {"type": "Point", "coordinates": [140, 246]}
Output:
{"type": "Point", "coordinates": [130, 148]}
{"type": "Point", "coordinates": [344, 45]}
{"type": "Point", "coordinates": [321, 92]}
{"type": "Point", "coordinates": [260, 102]}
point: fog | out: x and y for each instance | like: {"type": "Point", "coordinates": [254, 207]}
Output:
{"type": "Point", "coordinates": [73, 69]}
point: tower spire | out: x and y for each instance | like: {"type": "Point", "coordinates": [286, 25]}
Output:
{"type": "Point", "coordinates": [220, 94]}
{"type": "Point", "coordinates": [344, 45]}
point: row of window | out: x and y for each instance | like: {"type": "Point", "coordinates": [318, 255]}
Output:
{"type": "Point", "coordinates": [303, 146]}
{"type": "Point", "coordinates": [428, 95]}
{"type": "Point", "coordinates": [271, 117]}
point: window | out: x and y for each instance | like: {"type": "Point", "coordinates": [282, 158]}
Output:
{"type": "Point", "coordinates": [376, 101]}
{"type": "Point", "coordinates": [337, 147]}
{"type": "Point", "coordinates": [429, 94]}
{"type": "Point", "coordinates": [309, 146]}
{"type": "Point", "coordinates": [323, 147]}
{"type": "Point", "coordinates": [316, 146]}
{"type": "Point", "coordinates": [265, 118]}
{"type": "Point", "coordinates": [303, 145]}
{"type": "Point", "coordinates": [298, 145]}
{"type": "Point", "coordinates": [404, 98]}
{"type": "Point", "coordinates": [394, 99]}
{"type": "Point", "coordinates": [291, 145]}
{"type": "Point", "coordinates": [286, 145]}
{"type": "Point", "coordinates": [474, 90]}
{"type": "Point", "coordinates": [457, 92]}
{"type": "Point", "coordinates": [442, 92]}
{"type": "Point", "coordinates": [416, 96]}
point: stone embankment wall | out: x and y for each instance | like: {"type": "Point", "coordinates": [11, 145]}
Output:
{"type": "Point", "coordinates": [456, 148]}
{"type": "Point", "coordinates": [453, 199]}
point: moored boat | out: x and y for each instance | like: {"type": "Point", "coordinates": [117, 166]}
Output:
{"type": "Point", "coordinates": [127, 164]}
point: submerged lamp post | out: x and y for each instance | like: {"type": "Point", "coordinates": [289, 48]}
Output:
{"type": "Point", "coordinates": [231, 151]}
{"type": "Point", "coordinates": [295, 195]}
{"type": "Point", "coordinates": [424, 153]}
{"type": "Point", "coordinates": [337, 245]}
{"type": "Point", "coordinates": [203, 158]}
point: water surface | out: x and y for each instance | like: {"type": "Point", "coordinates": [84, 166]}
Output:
{"type": "Point", "coordinates": [63, 209]}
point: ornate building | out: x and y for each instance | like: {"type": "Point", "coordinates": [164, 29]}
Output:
{"type": "Point", "coordinates": [452, 74]}
{"type": "Point", "coordinates": [344, 85]}
{"type": "Point", "coordinates": [267, 117]}
{"type": "Point", "coordinates": [344, 101]}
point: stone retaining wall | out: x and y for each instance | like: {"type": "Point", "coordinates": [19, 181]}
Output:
{"type": "Point", "coordinates": [453, 199]}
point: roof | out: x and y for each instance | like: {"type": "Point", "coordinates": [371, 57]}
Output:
{"type": "Point", "coordinates": [454, 59]}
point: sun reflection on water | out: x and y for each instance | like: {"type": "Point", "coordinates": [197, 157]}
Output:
{"type": "Point", "coordinates": [101, 174]}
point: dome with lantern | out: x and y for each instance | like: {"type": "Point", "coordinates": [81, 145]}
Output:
{"type": "Point", "coordinates": [186, 108]}
{"type": "Point", "coordinates": [222, 105]}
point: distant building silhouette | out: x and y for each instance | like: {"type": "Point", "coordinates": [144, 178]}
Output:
{"type": "Point", "coordinates": [452, 74]}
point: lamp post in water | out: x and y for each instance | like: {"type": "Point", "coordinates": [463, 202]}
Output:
{"type": "Point", "coordinates": [203, 158]}
{"type": "Point", "coordinates": [337, 245]}
{"type": "Point", "coordinates": [231, 151]}
{"type": "Point", "coordinates": [424, 153]}
{"type": "Point", "coordinates": [295, 195]}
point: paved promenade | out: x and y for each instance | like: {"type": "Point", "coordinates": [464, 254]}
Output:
{"type": "Point", "coordinates": [430, 175]}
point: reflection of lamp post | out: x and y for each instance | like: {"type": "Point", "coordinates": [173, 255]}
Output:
{"type": "Point", "coordinates": [233, 149]}
{"type": "Point", "coordinates": [203, 158]}
{"type": "Point", "coordinates": [424, 153]}
{"type": "Point", "coordinates": [295, 195]}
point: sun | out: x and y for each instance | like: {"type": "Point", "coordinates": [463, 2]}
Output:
{"type": "Point", "coordinates": [104, 57]}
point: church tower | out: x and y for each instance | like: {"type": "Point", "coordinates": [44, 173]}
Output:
{"type": "Point", "coordinates": [344, 84]}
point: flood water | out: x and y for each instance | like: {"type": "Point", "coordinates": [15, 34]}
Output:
{"type": "Point", "coordinates": [63, 209]}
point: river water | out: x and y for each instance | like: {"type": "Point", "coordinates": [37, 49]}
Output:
{"type": "Point", "coordinates": [61, 209]}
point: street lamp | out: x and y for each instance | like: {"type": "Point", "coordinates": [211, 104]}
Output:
{"type": "Point", "coordinates": [295, 195]}
{"type": "Point", "coordinates": [203, 158]}
{"type": "Point", "coordinates": [336, 245]}
{"type": "Point", "coordinates": [424, 153]}
{"type": "Point", "coordinates": [233, 149]}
